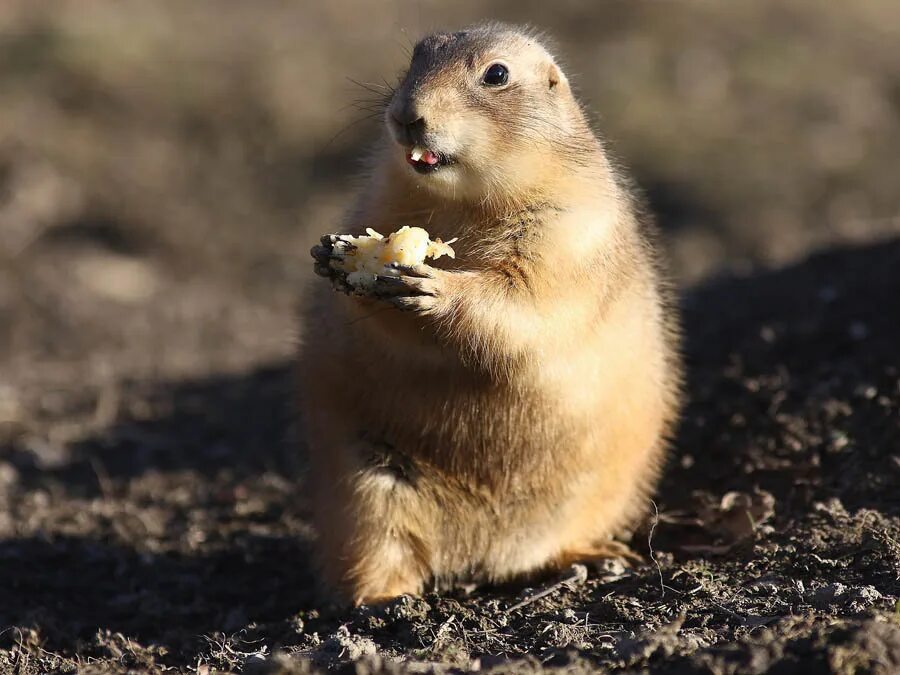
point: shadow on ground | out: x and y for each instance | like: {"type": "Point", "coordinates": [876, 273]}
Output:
{"type": "Point", "coordinates": [231, 423]}
{"type": "Point", "coordinates": [71, 587]}
{"type": "Point", "coordinates": [794, 383]}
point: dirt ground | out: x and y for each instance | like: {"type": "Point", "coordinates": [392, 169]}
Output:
{"type": "Point", "coordinates": [155, 212]}
{"type": "Point", "coordinates": [175, 535]}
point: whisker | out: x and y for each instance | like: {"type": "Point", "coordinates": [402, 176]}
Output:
{"type": "Point", "coordinates": [346, 128]}
{"type": "Point", "coordinates": [370, 87]}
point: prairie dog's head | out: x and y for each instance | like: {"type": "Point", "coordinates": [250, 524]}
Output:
{"type": "Point", "coordinates": [484, 112]}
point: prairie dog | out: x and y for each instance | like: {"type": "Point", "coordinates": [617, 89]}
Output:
{"type": "Point", "coordinates": [509, 412]}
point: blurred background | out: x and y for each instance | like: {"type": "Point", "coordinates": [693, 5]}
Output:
{"type": "Point", "coordinates": [165, 166]}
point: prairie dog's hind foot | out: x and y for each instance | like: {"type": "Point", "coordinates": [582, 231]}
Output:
{"type": "Point", "coordinates": [597, 552]}
{"type": "Point", "coordinates": [374, 531]}
{"type": "Point", "coordinates": [381, 591]}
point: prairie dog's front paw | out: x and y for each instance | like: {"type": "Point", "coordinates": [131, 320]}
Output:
{"type": "Point", "coordinates": [363, 265]}
{"type": "Point", "coordinates": [417, 288]}
{"type": "Point", "coordinates": [324, 254]}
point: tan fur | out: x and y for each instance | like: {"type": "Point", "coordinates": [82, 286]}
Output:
{"type": "Point", "coordinates": [517, 417]}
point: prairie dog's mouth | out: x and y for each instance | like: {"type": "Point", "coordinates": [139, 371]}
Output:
{"type": "Point", "coordinates": [424, 160]}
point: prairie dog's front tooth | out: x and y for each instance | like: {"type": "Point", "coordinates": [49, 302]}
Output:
{"type": "Point", "coordinates": [417, 153]}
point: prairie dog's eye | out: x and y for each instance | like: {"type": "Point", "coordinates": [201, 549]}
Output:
{"type": "Point", "coordinates": [496, 75]}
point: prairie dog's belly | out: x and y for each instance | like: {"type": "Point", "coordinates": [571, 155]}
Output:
{"type": "Point", "coordinates": [512, 473]}
{"type": "Point", "coordinates": [433, 403]}
{"type": "Point", "coordinates": [469, 429]}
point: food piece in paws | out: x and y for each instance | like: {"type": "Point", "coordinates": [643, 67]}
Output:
{"type": "Point", "coordinates": [365, 257]}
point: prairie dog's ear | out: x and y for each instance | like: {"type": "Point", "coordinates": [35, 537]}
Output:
{"type": "Point", "coordinates": [555, 76]}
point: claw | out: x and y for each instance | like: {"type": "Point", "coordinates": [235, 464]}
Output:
{"type": "Point", "coordinates": [405, 303]}
{"type": "Point", "coordinates": [405, 285]}
{"type": "Point", "coordinates": [421, 271]}
{"type": "Point", "coordinates": [388, 285]}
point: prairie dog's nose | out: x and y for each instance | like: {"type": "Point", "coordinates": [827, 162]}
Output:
{"type": "Point", "coordinates": [406, 113]}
